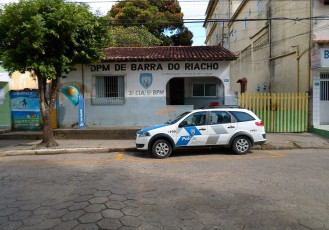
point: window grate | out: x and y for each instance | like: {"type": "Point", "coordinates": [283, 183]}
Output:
{"type": "Point", "coordinates": [324, 90]}
{"type": "Point", "coordinates": [324, 76]}
{"type": "Point", "coordinates": [109, 90]}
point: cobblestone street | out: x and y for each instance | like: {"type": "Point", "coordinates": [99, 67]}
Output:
{"type": "Point", "coordinates": [261, 190]}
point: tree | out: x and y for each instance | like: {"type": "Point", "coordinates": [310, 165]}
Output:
{"type": "Point", "coordinates": [134, 37]}
{"type": "Point", "coordinates": [184, 37]}
{"type": "Point", "coordinates": [48, 38]}
{"type": "Point", "coordinates": [162, 18]}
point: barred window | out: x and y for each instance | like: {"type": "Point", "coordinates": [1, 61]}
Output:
{"type": "Point", "coordinates": [109, 90]}
{"type": "Point", "coordinates": [204, 90]}
{"type": "Point", "coordinates": [324, 76]}
{"type": "Point", "coordinates": [324, 87]}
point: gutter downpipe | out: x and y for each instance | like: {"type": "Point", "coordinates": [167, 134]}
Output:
{"type": "Point", "coordinates": [310, 73]}
{"type": "Point", "coordinates": [298, 77]}
{"type": "Point", "coordinates": [310, 47]}
{"type": "Point", "coordinates": [297, 67]}
{"type": "Point", "coordinates": [222, 44]}
{"type": "Point", "coordinates": [270, 41]}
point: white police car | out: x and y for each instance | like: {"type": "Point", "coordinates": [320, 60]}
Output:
{"type": "Point", "coordinates": [234, 127]}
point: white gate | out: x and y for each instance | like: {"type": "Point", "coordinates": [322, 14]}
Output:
{"type": "Point", "coordinates": [324, 99]}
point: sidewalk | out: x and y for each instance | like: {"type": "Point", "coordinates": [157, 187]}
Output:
{"type": "Point", "coordinates": [28, 147]}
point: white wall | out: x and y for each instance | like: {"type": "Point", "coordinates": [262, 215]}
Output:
{"type": "Point", "coordinates": [143, 106]}
{"type": "Point", "coordinates": [320, 27]}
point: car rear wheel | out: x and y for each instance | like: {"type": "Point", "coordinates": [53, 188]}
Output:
{"type": "Point", "coordinates": [241, 145]}
{"type": "Point", "coordinates": [161, 149]}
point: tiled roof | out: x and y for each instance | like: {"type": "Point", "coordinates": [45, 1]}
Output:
{"type": "Point", "coordinates": [168, 53]}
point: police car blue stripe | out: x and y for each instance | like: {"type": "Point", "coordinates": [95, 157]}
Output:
{"type": "Point", "coordinates": [151, 128]}
{"type": "Point", "coordinates": [184, 140]}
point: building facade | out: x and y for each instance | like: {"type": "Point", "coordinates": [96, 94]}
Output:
{"type": "Point", "coordinates": [320, 65]}
{"type": "Point", "coordinates": [146, 86]}
{"type": "Point", "coordinates": [282, 47]}
{"type": "Point", "coordinates": [270, 40]}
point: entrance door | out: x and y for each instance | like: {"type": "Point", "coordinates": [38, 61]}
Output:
{"type": "Point", "coordinates": [324, 98]}
{"type": "Point", "coordinates": [176, 91]}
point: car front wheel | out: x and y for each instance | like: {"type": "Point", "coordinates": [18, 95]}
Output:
{"type": "Point", "coordinates": [241, 145]}
{"type": "Point", "coordinates": [161, 149]}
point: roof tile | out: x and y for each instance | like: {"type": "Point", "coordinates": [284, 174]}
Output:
{"type": "Point", "coordinates": [168, 53]}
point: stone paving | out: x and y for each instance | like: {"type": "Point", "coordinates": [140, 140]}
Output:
{"type": "Point", "coordinates": [282, 193]}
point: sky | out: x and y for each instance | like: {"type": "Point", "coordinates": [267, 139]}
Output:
{"type": "Point", "coordinates": [192, 9]}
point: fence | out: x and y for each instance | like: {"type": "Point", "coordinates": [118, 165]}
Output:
{"type": "Point", "coordinates": [280, 112]}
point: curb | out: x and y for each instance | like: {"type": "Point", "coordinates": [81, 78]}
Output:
{"type": "Point", "coordinates": [4, 131]}
{"type": "Point", "coordinates": [63, 151]}
{"type": "Point", "coordinates": [109, 150]}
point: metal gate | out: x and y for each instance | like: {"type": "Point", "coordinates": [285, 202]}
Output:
{"type": "Point", "coordinates": [280, 112]}
{"type": "Point", "coordinates": [324, 98]}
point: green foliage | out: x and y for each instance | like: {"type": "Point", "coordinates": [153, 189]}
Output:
{"type": "Point", "coordinates": [50, 36]}
{"type": "Point", "coordinates": [184, 37]}
{"type": "Point", "coordinates": [134, 37]}
{"type": "Point", "coordinates": [162, 18]}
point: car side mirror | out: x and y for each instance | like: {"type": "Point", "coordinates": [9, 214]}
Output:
{"type": "Point", "coordinates": [182, 124]}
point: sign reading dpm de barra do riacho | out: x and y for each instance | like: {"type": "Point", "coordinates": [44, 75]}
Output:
{"type": "Point", "coordinates": [155, 66]}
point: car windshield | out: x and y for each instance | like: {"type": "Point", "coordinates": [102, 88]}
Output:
{"type": "Point", "coordinates": [173, 121]}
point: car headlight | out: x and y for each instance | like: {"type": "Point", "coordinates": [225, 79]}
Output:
{"type": "Point", "coordinates": [145, 134]}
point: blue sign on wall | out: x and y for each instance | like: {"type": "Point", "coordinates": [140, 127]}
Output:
{"type": "Point", "coordinates": [146, 80]}
{"type": "Point", "coordinates": [25, 110]}
{"type": "Point", "coordinates": [326, 54]}
{"type": "Point", "coordinates": [81, 112]}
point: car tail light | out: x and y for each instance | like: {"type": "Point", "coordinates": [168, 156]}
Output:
{"type": "Point", "coordinates": [259, 123]}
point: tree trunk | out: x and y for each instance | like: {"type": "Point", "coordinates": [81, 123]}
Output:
{"type": "Point", "coordinates": [48, 139]}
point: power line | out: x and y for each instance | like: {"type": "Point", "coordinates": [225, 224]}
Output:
{"type": "Point", "coordinates": [267, 19]}
{"type": "Point", "coordinates": [121, 22]}
{"type": "Point", "coordinates": [116, 1]}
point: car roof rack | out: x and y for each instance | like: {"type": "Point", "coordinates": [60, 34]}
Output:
{"type": "Point", "coordinates": [223, 107]}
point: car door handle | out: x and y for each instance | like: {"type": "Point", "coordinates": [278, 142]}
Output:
{"type": "Point", "coordinates": [231, 127]}
{"type": "Point", "coordinates": [202, 129]}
